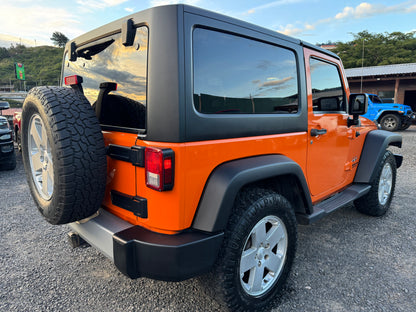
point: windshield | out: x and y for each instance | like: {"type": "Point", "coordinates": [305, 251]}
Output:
{"type": "Point", "coordinates": [108, 60]}
{"type": "Point", "coordinates": [375, 99]}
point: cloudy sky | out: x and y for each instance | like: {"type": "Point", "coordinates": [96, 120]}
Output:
{"type": "Point", "coordinates": [33, 22]}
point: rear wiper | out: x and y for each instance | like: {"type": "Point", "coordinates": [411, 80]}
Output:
{"type": "Point", "coordinates": [93, 48]}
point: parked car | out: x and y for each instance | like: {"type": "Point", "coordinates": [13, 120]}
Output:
{"type": "Point", "coordinates": [201, 149]}
{"type": "Point", "coordinates": [390, 116]}
{"type": "Point", "coordinates": [17, 122]}
{"type": "Point", "coordinates": [7, 155]}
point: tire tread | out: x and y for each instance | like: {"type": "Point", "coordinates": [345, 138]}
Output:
{"type": "Point", "coordinates": [80, 154]}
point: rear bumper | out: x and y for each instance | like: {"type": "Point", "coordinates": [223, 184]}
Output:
{"type": "Point", "coordinates": [138, 252]}
{"type": "Point", "coordinates": [6, 149]}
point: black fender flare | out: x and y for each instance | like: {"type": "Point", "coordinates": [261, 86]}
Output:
{"type": "Point", "coordinates": [227, 179]}
{"type": "Point", "coordinates": [375, 145]}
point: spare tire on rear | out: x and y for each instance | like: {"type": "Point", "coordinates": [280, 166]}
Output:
{"type": "Point", "coordinates": [63, 154]}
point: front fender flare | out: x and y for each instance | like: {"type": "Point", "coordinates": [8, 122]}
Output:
{"type": "Point", "coordinates": [385, 112]}
{"type": "Point", "coordinates": [227, 179]}
{"type": "Point", "coordinates": [376, 143]}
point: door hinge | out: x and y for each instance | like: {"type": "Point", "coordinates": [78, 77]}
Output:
{"type": "Point", "coordinates": [134, 154]}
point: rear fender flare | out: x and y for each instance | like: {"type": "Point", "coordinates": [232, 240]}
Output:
{"type": "Point", "coordinates": [227, 180]}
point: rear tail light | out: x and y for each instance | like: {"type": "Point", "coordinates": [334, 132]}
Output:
{"type": "Point", "coordinates": [72, 80]}
{"type": "Point", "coordinates": [159, 167]}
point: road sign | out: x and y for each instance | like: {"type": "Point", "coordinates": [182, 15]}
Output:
{"type": "Point", "coordinates": [20, 71]}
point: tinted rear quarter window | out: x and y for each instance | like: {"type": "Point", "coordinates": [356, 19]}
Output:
{"type": "Point", "coordinates": [237, 75]}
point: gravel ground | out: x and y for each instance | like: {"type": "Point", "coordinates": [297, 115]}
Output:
{"type": "Point", "coordinates": [345, 262]}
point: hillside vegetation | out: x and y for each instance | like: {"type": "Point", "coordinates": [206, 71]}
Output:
{"type": "Point", "coordinates": [42, 65]}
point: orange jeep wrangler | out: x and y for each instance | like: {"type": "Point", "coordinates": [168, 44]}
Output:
{"type": "Point", "coordinates": [183, 142]}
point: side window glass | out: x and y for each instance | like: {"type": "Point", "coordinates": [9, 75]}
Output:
{"type": "Point", "coordinates": [328, 95]}
{"type": "Point", "coordinates": [236, 75]}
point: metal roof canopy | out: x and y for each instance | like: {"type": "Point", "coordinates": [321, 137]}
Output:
{"type": "Point", "coordinates": [384, 70]}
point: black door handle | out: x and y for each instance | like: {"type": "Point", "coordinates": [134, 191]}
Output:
{"type": "Point", "coordinates": [316, 132]}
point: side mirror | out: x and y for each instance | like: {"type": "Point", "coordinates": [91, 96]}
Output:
{"type": "Point", "coordinates": [358, 104]}
{"type": "Point", "coordinates": [4, 105]}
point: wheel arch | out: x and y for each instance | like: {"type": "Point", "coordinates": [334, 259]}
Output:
{"type": "Point", "coordinates": [383, 113]}
{"type": "Point", "coordinates": [228, 179]}
{"type": "Point", "coordinates": [375, 145]}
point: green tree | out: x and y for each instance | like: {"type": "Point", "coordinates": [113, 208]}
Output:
{"type": "Point", "coordinates": [4, 53]}
{"type": "Point", "coordinates": [59, 39]}
{"type": "Point", "coordinates": [379, 49]}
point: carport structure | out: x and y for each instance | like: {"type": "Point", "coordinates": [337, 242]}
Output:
{"type": "Point", "coordinates": [394, 83]}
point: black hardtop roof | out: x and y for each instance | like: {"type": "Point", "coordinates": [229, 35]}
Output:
{"type": "Point", "coordinates": [115, 26]}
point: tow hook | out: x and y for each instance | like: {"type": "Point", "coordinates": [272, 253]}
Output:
{"type": "Point", "coordinates": [76, 241]}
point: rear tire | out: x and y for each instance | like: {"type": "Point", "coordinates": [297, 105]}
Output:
{"type": "Point", "coordinates": [377, 201]}
{"type": "Point", "coordinates": [258, 251]}
{"type": "Point", "coordinates": [390, 122]}
{"type": "Point", "coordinates": [63, 154]}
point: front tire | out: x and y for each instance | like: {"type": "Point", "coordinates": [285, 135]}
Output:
{"type": "Point", "coordinates": [258, 250]}
{"type": "Point", "coordinates": [390, 122]}
{"type": "Point", "coordinates": [405, 126]}
{"type": "Point", "coordinates": [377, 201]}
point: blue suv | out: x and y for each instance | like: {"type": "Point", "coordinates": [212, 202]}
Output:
{"type": "Point", "coordinates": [390, 116]}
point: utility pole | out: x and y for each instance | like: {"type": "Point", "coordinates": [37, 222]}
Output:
{"type": "Point", "coordinates": [362, 69]}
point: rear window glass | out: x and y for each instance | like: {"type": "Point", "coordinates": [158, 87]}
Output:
{"type": "Point", "coordinates": [108, 60]}
{"type": "Point", "coordinates": [236, 75]}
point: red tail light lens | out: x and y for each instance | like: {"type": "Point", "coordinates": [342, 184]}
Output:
{"type": "Point", "coordinates": [72, 80]}
{"type": "Point", "coordinates": [159, 167]}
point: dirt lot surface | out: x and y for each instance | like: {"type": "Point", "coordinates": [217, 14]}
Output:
{"type": "Point", "coordinates": [345, 262]}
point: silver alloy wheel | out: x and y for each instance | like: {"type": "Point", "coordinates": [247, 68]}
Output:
{"type": "Point", "coordinates": [385, 184]}
{"type": "Point", "coordinates": [263, 256]}
{"type": "Point", "coordinates": [390, 123]}
{"type": "Point", "coordinates": [40, 158]}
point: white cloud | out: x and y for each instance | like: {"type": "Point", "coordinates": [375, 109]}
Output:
{"type": "Point", "coordinates": [166, 2]}
{"type": "Point", "coordinates": [7, 40]}
{"type": "Point", "coordinates": [411, 9]}
{"type": "Point", "coordinates": [24, 22]}
{"type": "Point", "coordinates": [363, 10]}
{"type": "Point", "coordinates": [90, 6]}
{"type": "Point", "coordinates": [291, 30]}
{"type": "Point", "coordinates": [99, 4]}
{"type": "Point", "coordinates": [130, 10]}
{"type": "Point", "coordinates": [345, 13]}
{"type": "Point", "coordinates": [270, 5]}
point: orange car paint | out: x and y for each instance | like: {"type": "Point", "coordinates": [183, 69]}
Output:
{"type": "Point", "coordinates": [172, 211]}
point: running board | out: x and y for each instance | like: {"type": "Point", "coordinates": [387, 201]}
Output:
{"type": "Point", "coordinates": [333, 203]}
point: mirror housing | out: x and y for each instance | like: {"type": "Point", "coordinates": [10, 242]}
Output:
{"type": "Point", "coordinates": [358, 105]}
